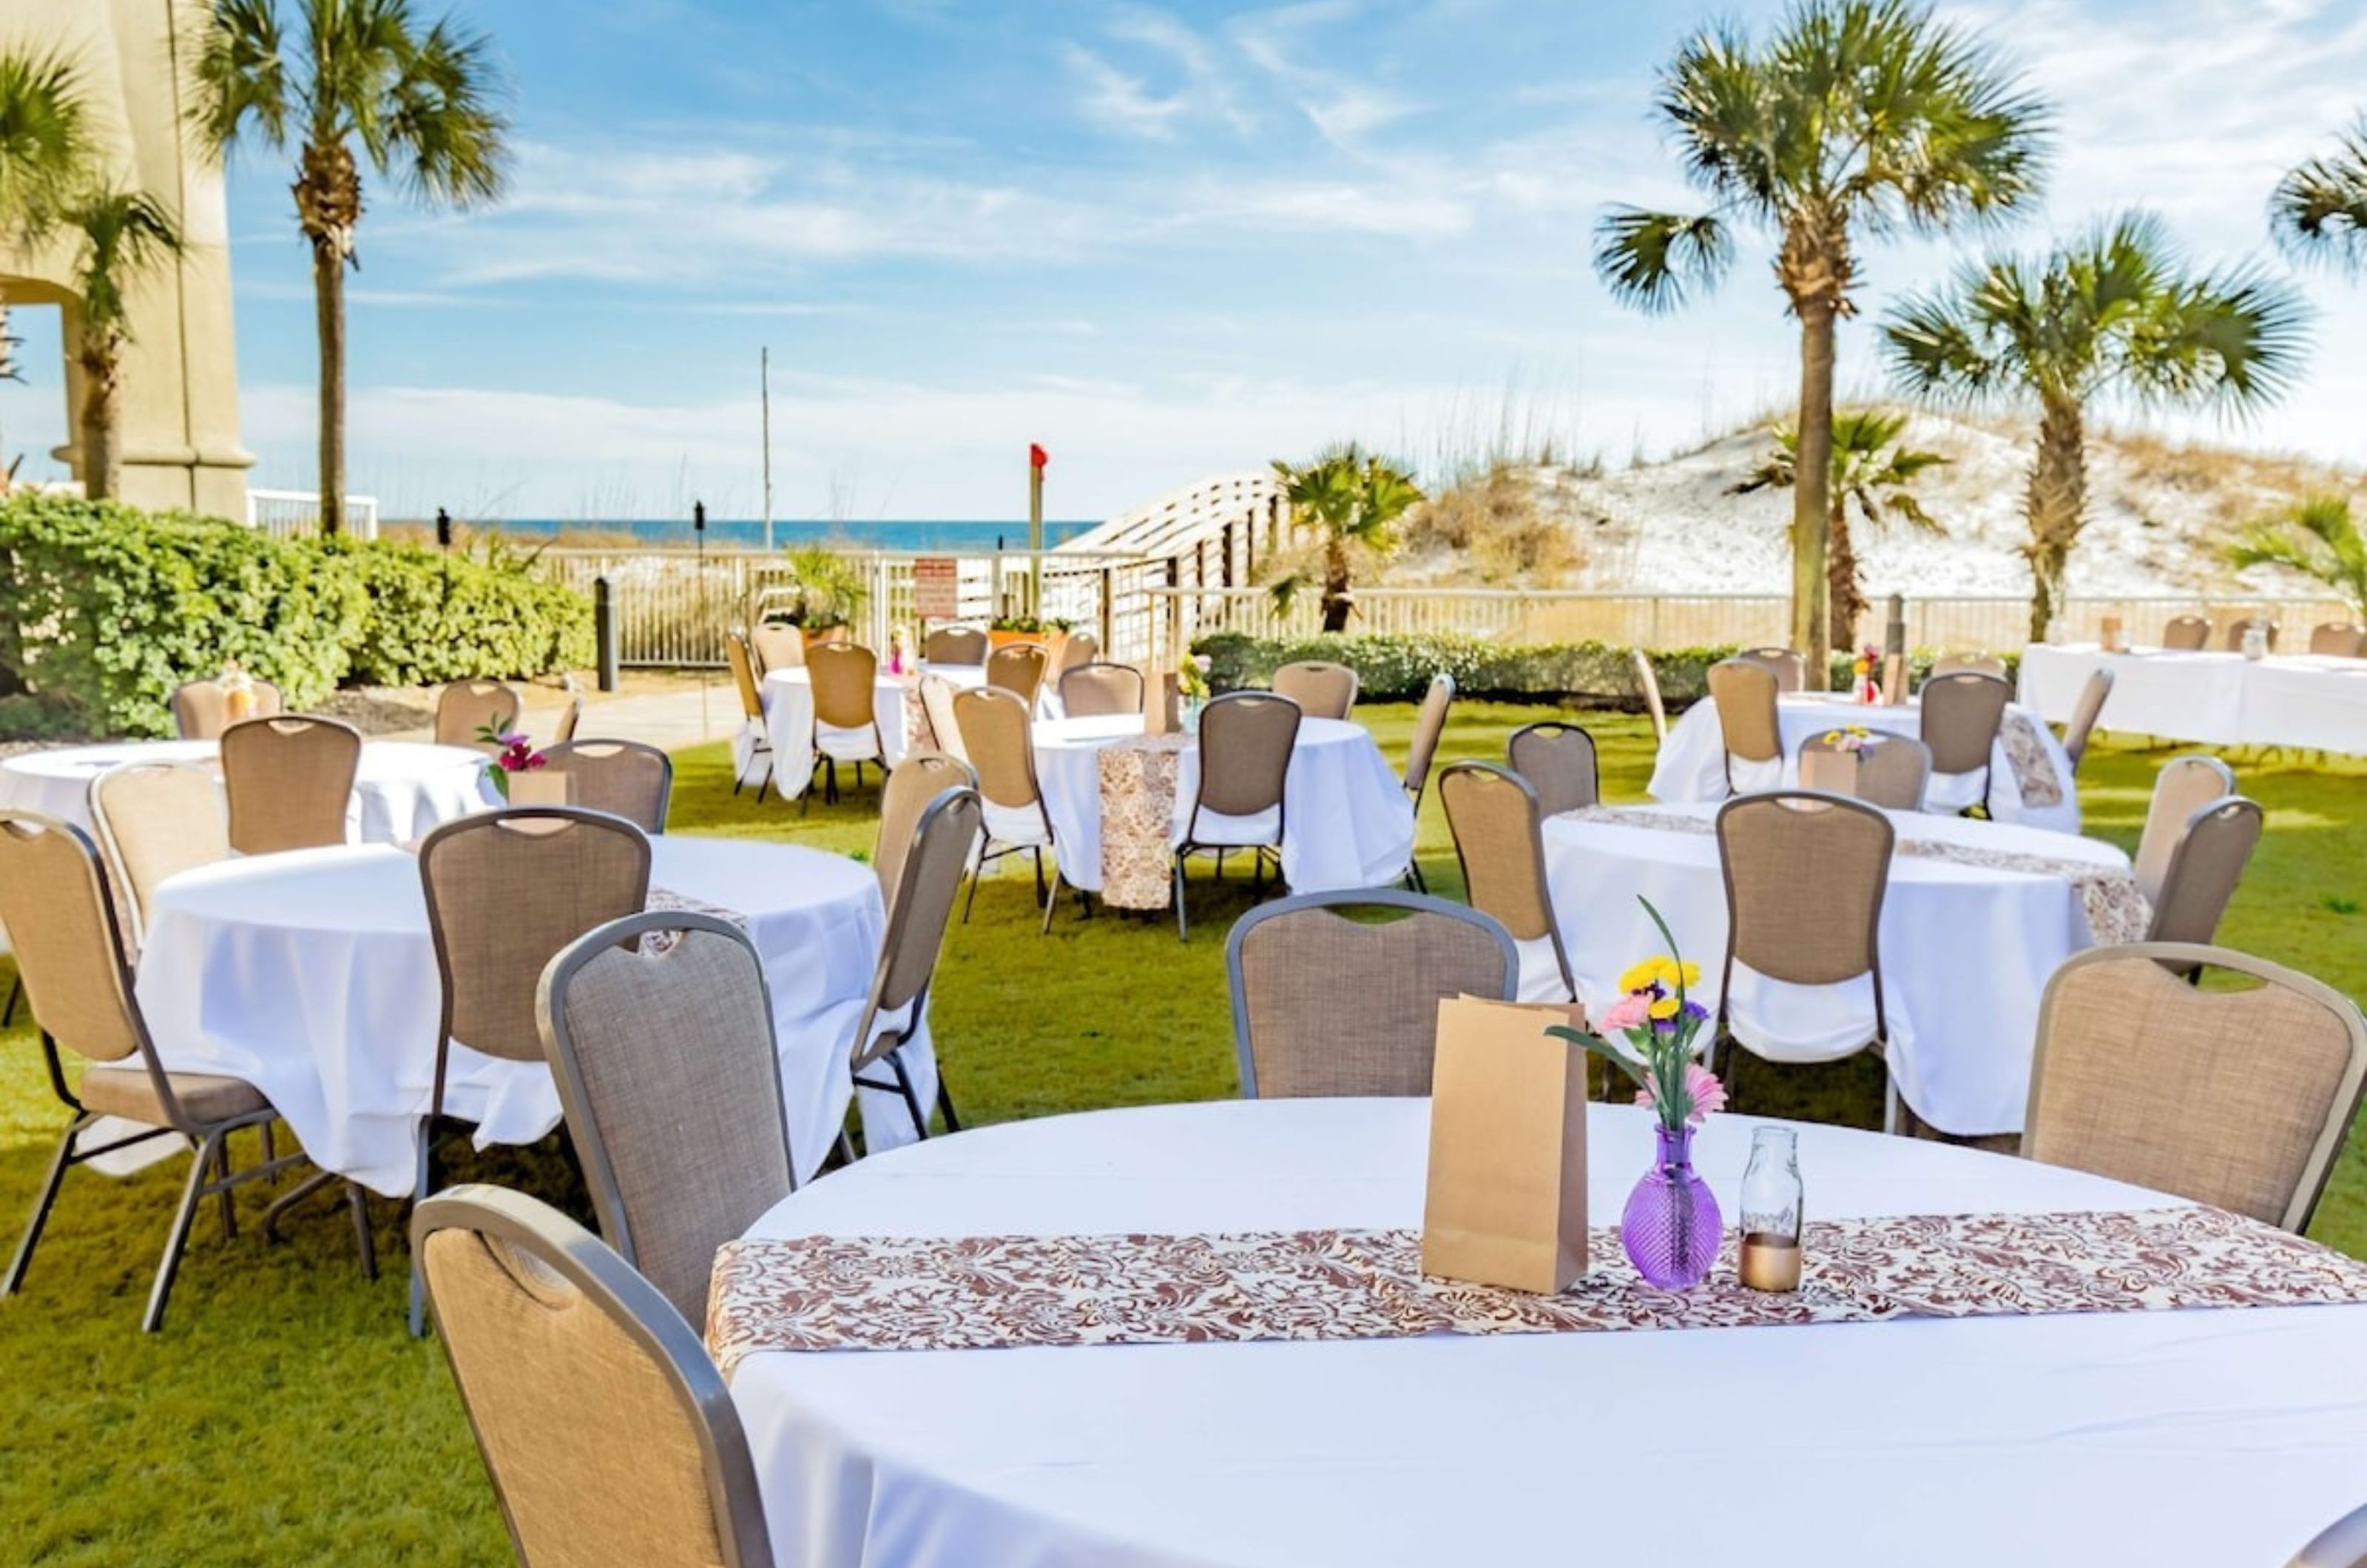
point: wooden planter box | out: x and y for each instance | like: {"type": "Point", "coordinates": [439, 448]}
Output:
{"type": "Point", "coordinates": [1054, 644]}
{"type": "Point", "coordinates": [829, 634]}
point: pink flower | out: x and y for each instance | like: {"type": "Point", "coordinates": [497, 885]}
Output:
{"type": "Point", "coordinates": [1630, 1012]}
{"type": "Point", "coordinates": [1702, 1088]}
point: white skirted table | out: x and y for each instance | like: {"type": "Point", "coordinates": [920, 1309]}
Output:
{"type": "Point", "coordinates": [402, 788]}
{"type": "Point", "coordinates": [1966, 947]}
{"type": "Point", "coordinates": [2312, 702]}
{"type": "Point", "coordinates": [2031, 784]}
{"type": "Point", "coordinates": [2176, 1439]}
{"type": "Point", "coordinates": [312, 975]}
{"type": "Point", "coordinates": [788, 698]}
{"type": "Point", "coordinates": [1346, 820]}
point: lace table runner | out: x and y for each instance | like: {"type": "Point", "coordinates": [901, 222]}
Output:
{"type": "Point", "coordinates": [1137, 785]}
{"type": "Point", "coordinates": [2116, 910]}
{"type": "Point", "coordinates": [874, 1293]}
{"type": "Point", "coordinates": [2033, 769]}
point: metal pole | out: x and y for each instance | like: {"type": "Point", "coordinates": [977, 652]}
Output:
{"type": "Point", "coordinates": [604, 631]}
{"type": "Point", "coordinates": [1894, 631]}
{"type": "Point", "coordinates": [765, 382]}
{"type": "Point", "coordinates": [443, 529]}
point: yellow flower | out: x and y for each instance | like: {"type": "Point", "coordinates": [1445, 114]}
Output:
{"type": "Point", "coordinates": [1692, 975]}
{"type": "Point", "coordinates": [1640, 977]}
{"type": "Point", "coordinates": [1665, 1008]}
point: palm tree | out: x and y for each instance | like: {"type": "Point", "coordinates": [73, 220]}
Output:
{"type": "Point", "coordinates": [1354, 499]}
{"type": "Point", "coordinates": [2321, 207]}
{"type": "Point", "coordinates": [1871, 469]}
{"type": "Point", "coordinates": [47, 150]}
{"type": "Point", "coordinates": [365, 75]}
{"type": "Point", "coordinates": [2116, 311]}
{"type": "Point", "coordinates": [1856, 117]}
{"type": "Point", "coordinates": [2316, 536]}
{"type": "Point", "coordinates": [126, 236]}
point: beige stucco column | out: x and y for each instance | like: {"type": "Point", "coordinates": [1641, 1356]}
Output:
{"type": "Point", "coordinates": [180, 393]}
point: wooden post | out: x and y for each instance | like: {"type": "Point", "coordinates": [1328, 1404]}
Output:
{"type": "Point", "coordinates": [1228, 554]}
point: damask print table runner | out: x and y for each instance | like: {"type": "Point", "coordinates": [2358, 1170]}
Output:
{"type": "Point", "coordinates": [885, 1293]}
{"type": "Point", "coordinates": [1138, 783]}
{"type": "Point", "coordinates": [664, 900]}
{"type": "Point", "coordinates": [2033, 769]}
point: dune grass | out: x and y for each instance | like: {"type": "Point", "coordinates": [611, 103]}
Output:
{"type": "Point", "coordinates": [284, 1415]}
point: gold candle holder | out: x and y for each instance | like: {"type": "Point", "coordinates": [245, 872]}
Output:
{"type": "Point", "coordinates": [1769, 1262]}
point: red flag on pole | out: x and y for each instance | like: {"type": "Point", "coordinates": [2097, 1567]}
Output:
{"type": "Point", "coordinates": [1036, 456]}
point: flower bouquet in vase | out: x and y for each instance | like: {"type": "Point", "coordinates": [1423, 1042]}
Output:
{"type": "Point", "coordinates": [237, 688]}
{"type": "Point", "coordinates": [515, 763]}
{"type": "Point", "coordinates": [1671, 1228]}
{"type": "Point", "coordinates": [1192, 687]}
{"type": "Point", "coordinates": [1831, 764]}
{"type": "Point", "coordinates": [1868, 670]}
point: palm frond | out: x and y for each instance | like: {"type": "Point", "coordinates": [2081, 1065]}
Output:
{"type": "Point", "coordinates": [2318, 537]}
{"type": "Point", "coordinates": [444, 127]}
{"type": "Point", "coordinates": [47, 144]}
{"type": "Point", "coordinates": [127, 237]}
{"type": "Point", "coordinates": [240, 82]}
{"type": "Point", "coordinates": [2321, 207]}
{"type": "Point", "coordinates": [1653, 260]}
{"type": "Point", "coordinates": [2233, 339]}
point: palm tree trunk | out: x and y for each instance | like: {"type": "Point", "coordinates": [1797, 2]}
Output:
{"type": "Point", "coordinates": [1812, 488]}
{"type": "Point", "coordinates": [1842, 578]}
{"type": "Point", "coordinates": [102, 419]}
{"type": "Point", "coordinates": [329, 301]}
{"type": "Point", "coordinates": [1336, 604]}
{"type": "Point", "coordinates": [2058, 505]}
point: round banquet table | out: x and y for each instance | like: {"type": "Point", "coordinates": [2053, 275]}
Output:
{"type": "Point", "coordinates": [402, 788]}
{"type": "Point", "coordinates": [788, 698]}
{"type": "Point", "coordinates": [2311, 701]}
{"type": "Point", "coordinates": [1346, 820]}
{"type": "Point", "coordinates": [312, 975]}
{"type": "Point", "coordinates": [1966, 949]}
{"type": "Point", "coordinates": [1691, 765]}
{"type": "Point", "coordinates": [2177, 1439]}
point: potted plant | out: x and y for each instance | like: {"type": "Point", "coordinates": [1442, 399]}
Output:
{"type": "Point", "coordinates": [831, 592]}
{"type": "Point", "coordinates": [1051, 631]}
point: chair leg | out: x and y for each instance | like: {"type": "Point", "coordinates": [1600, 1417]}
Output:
{"type": "Point", "coordinates": [844, 1148]}
{"type": "Point", "coordinates": [1257, 875]}
{"type": "Point", "coordinates": [1414, 878]}
{"type": "Point", "coordinates": [1053, 902]}
{"type": "Point", "coordinates": [971, 902]}
{"type": "Point", "coordinates": [945, 1101]}
{"type": "Point", "coordinates": [229, 1208]}
{"type": "Point", "coordinates": [177, 1240]}
{"type": "Point", "coordinates": [904, 1087]}
{"type": "Point", "coordinates": [42, 1207]}
{"type": "Point", "coordinates": [1182, 930]}
{"type": "Point", "coordinates": [1039, 872]}
{"type": "Point", "coordinates": [365, 1240]}
{"type": "Point", "coordinates": [289, 1199]}
{"type": "Point", "coordinates": [421, 1187]}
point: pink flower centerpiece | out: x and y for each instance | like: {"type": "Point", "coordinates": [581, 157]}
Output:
{"type": "Point", "coordinates": [516, 755]}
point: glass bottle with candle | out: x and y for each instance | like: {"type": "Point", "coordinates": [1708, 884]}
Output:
{"type": "Point", "coordinates": [1773, 1216]}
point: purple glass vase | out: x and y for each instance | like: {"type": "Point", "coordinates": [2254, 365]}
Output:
{"type": "Point", "coordinates": [1671, 1228]}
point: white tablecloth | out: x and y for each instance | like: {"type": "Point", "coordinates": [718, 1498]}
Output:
{"type": "Point", "coordinates": [312, 975]}
{"type": "Point", "coordinates": [1346, 821]}
{"type": "Point", "coordinates": [1691, 765]}
{"type": "Point", "coordinates": [402, 789]}
{"type": "Point", "coordinates": [2173, 1440]}
{"type": "Point", "coordinates": [787, 697]}
{"type": "Point", "coordinates": [1965, 950]}
{"type": "Point", "coordinates": [2315, 701]}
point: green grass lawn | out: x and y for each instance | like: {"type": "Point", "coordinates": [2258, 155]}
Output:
{"type": "Point", "coordinates": [283, 1415]}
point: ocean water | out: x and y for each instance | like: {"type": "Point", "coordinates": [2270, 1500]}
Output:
{"type": "Point", "coordinates": [748, 533]}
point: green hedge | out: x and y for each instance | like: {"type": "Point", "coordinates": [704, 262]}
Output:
{"type": "Point", "coordinates": [104, 609]}
{"type": "Point", "coordinates": [1398, 669]}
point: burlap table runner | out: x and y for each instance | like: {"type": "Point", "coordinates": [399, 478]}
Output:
{"type": "Point", "coordinates": [1137, 785]}
{"type": "Point", "coordinates": [874, 1293]}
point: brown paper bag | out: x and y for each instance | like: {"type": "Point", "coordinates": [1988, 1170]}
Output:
{"type": "Point", "coordinates": [1834, 773]}
{"type": "Point", "coordinates": [1507, 1199]}
{"type": "Point", "coordinates": [1893, 679]}
{"type": "Point", "coordinates": [2110, 637]}
{"type": "Point", "coordinates": [542, 786]}
{"type": "Point", "coordinates": [1161, 706]}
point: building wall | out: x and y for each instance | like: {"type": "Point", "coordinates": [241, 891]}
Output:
{"type": "Point", "coordinates": [180, 396]}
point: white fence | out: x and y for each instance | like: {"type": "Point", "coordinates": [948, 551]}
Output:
{"type": "Point", "coordinates": [286, 513]}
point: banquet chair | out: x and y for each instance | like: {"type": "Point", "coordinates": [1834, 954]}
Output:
{"type": "Point", "coordinates": [290, 781]}
{"type": "Point", "coordinates": [670, 1078]}
{"type": "Point", "coordinates": [608, 1434]}
{"type": "Point", "coordinates": [1557, 760]}
{"type": "Point", "coordinates": [919, 779]}
{"type": "Point", "coordinates": [2338, 640]}
{"type": "Point", "coordinates": [2342, 1544]}
{"type": "Point", "coordinates": [1246, 741]}
{"type": "Point", "coordinates": [153, 820]}
{"type": "Point", "coordinates": [926, 883]}
{"type": "Point", "coordinates": [1321, 689]}
{"type": "Point", "coordinates": [2183, 787]}
{"type": "Point", "coordinates": [466, 708]}
{"type": "Point", "coordinates": [1743, 694]}
{"type": "Point", "coordinates": [1962, 715]}
{"type": "Point", "coordinates": [1092, 691]}
{"type": "Point", "coordinates": [1498, 826]}
{"type": "Point", "coordinates": [2185, 634]}
{"type": "Point", "coordinates": [1892, 769]}
{"type": "Point", "coordinates": [506, 890]}
{"type": "Point", "coordinates": [202, 708]}
{"type": "Point", "coordinates": [1421, 750]}
{"type": "Point", "coordinates": [845, 679]}
{"type": "Point", "coordinates": [571, 719]}
{"type": "Point", "coordinates": [1788, 665]}
{"type": "Point", "coordinates": [630, 779]}
{"type": "Point", "coordinates": [955, 645]}
{"type": "Point", "coordinates": [1018, 668]}
{"type": "Point", "coordinates": [2243, 624]}
{"type": "Point", "coordinates": [1325, 1004]}
{"type": "Point", "coordinates": [2084, 714]}
{"type": "Point", "coordinates": [2238, 1099]}
{"type": "Point", "coordinates": [937, 705]}
{"type": "Point", "coordinates": [78, 985]}
{"type": "Point", "coordinates": [2205, 864]}
{"type": "Point", "coordinates": [1078, 649]}
{"type": "Point", "coordinates": [1648, 684]}
{"type": "Point", "coordinates": [774, 646]}
{"type": "Point", "coordinates": [1966, 664]}
{"type": "Point", "coordinates": [999, 734]}
{"type": "Point", "coordinates": [1804, 878]}
{"type": "Point", "coordinates": [751, 715]}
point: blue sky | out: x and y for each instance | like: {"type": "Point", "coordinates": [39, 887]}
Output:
{"type": "Point", "coordinates": [1164, 242]}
